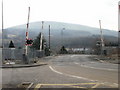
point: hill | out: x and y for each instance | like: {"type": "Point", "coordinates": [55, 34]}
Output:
{"type": "Point", "coordinates": [72, 33]}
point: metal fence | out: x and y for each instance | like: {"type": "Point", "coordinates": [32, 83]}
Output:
{"type": "Point", "coordinates": [17, 54]}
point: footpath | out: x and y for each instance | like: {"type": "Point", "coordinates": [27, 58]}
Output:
{"type": "Point", "coordinates": [22, 66]}
{"type": "Point", "coordinates": [38, 63]}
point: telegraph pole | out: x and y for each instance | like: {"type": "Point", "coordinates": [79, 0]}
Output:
{"type": "Point", "coordinates": [62, 36]}
{"type": "Point", "coordinates": [2, 26]}
{"type": "Point", "coordinates": [101, 38]}
{"type": "Point", "coordinates": [41, 41]}
{"type": "Point", "coordinates": [49, 37]}
{"type": "Point", "coordinates": [2, 17]}
{"type": "Point", "coordinates": [42, 25]}
{"type": "Point", "coordinates": [119, 31]}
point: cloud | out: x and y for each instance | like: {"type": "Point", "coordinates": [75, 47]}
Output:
{"type": "Point", "coordinates": [86, 12]}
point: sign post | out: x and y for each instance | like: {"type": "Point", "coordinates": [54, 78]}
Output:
{"type": "Point", "coordinates": [12, 48]}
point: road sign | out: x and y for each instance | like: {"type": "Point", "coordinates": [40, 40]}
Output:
{"type": "Point", "coordinates": [11, 45]}
{"type": "Point", "coordinates": [29, 42]}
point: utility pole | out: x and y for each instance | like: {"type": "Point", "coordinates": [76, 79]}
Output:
{"type": "Point", "coordinates": [2, 26]}
{"type": "Point", "coordinates": [41, 37]}
{"type": "Point", "coordinates": [26, 50]}
{"type": "Point", "coordinates": [49, 37]}
{"type": "Point", "coordinates": [119, 30]}
{"type": "Point", "coordinates": [2, 17]}
{"type": "Point", "coordinates": [42, 24]}
{"type": "Point", "coordinates": [101, 38]}
{"type": "Point", "coordinates": [62, 36]}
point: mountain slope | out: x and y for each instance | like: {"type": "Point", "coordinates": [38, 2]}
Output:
{"type": "Point", "coordinates": [56, 28]}
{"type": "Point", "coordinates": [71, 31]}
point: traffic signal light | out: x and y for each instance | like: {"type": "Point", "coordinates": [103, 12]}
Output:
{"type": "Point", "coordinates": [29, 42]}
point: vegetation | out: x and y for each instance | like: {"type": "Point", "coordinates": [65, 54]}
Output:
{"type": "Point", "coordinates": [36, 44]}
{"type": "Point", "coordinates": [63, 50]}
{"type": "Point", "coordinates": [111, 44]}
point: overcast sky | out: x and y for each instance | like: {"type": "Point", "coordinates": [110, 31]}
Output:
{"type": "Point", "coordinates": [84, 12]}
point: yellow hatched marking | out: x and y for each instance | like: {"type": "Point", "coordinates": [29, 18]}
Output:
{"type": "Point", "coordinates": [77, 87]}
{"type": "Point", "coordinates": [96, 85]}
{"type": "Point", "coordinates": [69, 84]}
{"type": "Point", "coordinates": [29, 86]}
{"type": "Point", "coordinates": [37, 86]}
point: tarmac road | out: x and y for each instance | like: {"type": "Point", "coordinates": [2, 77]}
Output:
{"type": "Point", "coordinates": [65, 71]}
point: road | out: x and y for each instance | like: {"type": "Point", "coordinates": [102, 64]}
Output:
{"type": "Point", "coordinates": [65, 71]}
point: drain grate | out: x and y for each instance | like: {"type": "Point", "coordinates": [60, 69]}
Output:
{"type": "Point", "coordinates": [26, 85]}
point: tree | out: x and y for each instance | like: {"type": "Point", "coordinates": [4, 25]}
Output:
{"type": "Point", "coordinates": [63, 50]}
{"type": "Point", "coordinates": [47, 51]}
{"type": "Point", "coordinates": [36, 42]}
{"type": "Point", "coordinates": [36, 45]}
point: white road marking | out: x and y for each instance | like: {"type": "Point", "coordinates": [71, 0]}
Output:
{"type": "Point", "coordinates": [92, 62]}
{"type": "Point", "coordinates": [70, 75]}
{"type": "Point", "coordinates": [101, 61]}
{"type": "Point", "coordinates": [99, 68]}
{"type": "Point", "coordinates": [76, 63]}
{"type": "Point", "coordinates": [115, 84]}
{"type": "Point", "coordinates": [72, 56]}
{"type": "Point", "coordinates": [104, 83]}
{"type": "Point", "coordinates": [55, 70]}
{"type": "Point", "coordinates": [95, 67]}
